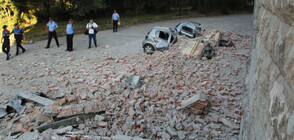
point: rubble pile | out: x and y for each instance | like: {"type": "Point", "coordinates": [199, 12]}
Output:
{"type": "Point", "coordinates": [166, 95]}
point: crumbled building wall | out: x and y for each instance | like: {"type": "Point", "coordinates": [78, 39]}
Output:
{"type": "Point", "coordinates": [270, 80]}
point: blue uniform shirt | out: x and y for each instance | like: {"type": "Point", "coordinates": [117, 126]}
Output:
{"type": "Point", "coordinates": [115, 16]}
{"type": "Point", "coordinates": [69, 29]}
{"type": "Point", "coordinates": [6, 34]}
{"type": "Point", "coordinates": [18, 31]}
{"type": "Point", "coordinates": [52, 26]}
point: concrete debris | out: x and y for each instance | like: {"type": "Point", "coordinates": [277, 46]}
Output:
{"type": "Point", "coordinates": [42, 119]}
{"type": "Point", "coordinates": [94, 106]}
{"type": "Point", "coordinates": [76, 133]}
{"type": "Point", "coordinates": [16, 105]}
{"type": "Point", "coordinates": [172, 132]}
{"type": "Point", "coordinates": [122, 137]}
{"type": "Point", "coordinates": [99, 118]}
{"type": "Point", "coordinates": [81, 126]}
{"type": "Point", "coordinates": [166, 95]}
{"type": "Point", "coordinates": [65, 122]}
{"type": "Point", "coordinates": [190, 101]}
{"type": "Point", "coordinates": [64, 130]}
{"type": "Point", "coordinates": [35, 98]}
{"type": "Point", "coordinates": [227, 123]}
{"type": "Point", "coordinates": [181, 135]}
{"type": "Point", "coordinates": [194, 48]}
{"type": "Point", "coordinates": [225, 43]}
{"type": "Point", "coordinates": [209, 52]}
{"type": "Point", "coordinates": [203, 46]}
{"type": "Point", "coordinates": [133, 82]}
{"type": "Point", "coordinates": [217, 38]}
{"type": "Point", "coordinates": [102, 124]}
{"type": "Point", "coordinates": [2, 112]}
{"type": "Point", "coordinates": [30, 136]}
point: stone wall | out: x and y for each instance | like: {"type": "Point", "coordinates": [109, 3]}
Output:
{"type": "Point", "coordinates": [269, 105]}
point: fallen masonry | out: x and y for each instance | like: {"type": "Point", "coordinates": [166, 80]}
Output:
{"type": "Point", "coordinates": [35, 98]}
{"type": "Point", "coordinates": [66, 122]}
{"type": "Point", "coordinates": [166, 95]}
{"type": "Point", "coordinates": [16, 104]}
{"type": "Point", "coordinates": [77, 109]}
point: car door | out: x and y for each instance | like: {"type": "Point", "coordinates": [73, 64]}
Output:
{"type": "Point", "coordinates": [187, 30]}
{"type": "Point", "coordinates": [161, 40]}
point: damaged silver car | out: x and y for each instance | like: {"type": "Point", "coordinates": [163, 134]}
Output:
{"type": "Point", "coordinates": [189, 28]}
{"type": "Point", "coordinates": [159, 38]}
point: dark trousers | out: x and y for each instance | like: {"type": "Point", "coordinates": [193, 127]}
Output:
{"type": "Point", "coordinates": [69, 40]}
{"type": "Point", "coordinates": [50, 38]}
{"type": "Point", "coordinates": [6, 46]}
{"type": "Point", "coordinates": [115, 25]}
{"type": "Point", "coordinates": [92, 36]}
{"type": "Point", "coordinates": [18, 44]}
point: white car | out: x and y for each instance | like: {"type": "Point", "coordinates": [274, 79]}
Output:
{"type": "Point", "coordinates": [159, 38]}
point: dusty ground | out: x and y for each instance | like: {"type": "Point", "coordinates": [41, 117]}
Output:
{"type": "Point", "coordinates": [168, 79]}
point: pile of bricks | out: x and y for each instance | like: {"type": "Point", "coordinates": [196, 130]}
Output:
{"type": "Point", "coordinates": [155, 107]}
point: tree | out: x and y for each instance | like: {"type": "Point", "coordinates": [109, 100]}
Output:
{"type": "Point", "coordinates": [81, 7]}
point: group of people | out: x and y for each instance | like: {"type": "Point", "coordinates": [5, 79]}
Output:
{"type": "Point", "coordinates": [18, 35]}
{"type": "Point", "coordinates": [51, 27]}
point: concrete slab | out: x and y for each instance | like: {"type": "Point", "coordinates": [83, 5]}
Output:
{"type": "Point", "coordinates": [2, 112]}
{"type": "Point", "coordinates": [190, 101]}
{"type": "Point", "coordinates": [16, 105]}
{"type": "Point", "coordinates": [36, 98]}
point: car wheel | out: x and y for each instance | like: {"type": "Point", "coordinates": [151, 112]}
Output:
{"type": "Point", "coordinates": [148, 48]}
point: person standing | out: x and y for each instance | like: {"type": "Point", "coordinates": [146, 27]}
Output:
{"type": "Point", "coordinates": [69, 35]}
{"type": "Point", "coordinates": [115, 20]}
{"type": "Point", "coordinates": [51, 27]}
{"type": "Point", "coordinates": [92, 29]}
{"type": "Point", "coordinates": [6, 44]}
{"type": "Point", "coordinates": [18, 35]}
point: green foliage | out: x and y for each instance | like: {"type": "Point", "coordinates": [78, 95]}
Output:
{"type": "Point", "coordinates": [27, 11]}
{"type": "Point", "coordinates": [8, 13]}
{"type": "Point", "coordinates": [81, 7]}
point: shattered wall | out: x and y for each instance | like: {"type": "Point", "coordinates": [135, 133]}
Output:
{"type": "Point", "coordinates": [270, 80]}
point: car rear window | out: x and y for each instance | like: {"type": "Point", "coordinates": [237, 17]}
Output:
{"type": "Point", "coordinates": [188, 29]}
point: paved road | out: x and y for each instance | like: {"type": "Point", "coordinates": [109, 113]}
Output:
{"type": "Point", "coordinates": [129, 39]}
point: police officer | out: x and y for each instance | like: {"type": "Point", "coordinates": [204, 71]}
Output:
{"type": "Point", "coordinates": [115, 19]}
{"type": "Point", "coordinates": [18, 35]}
{"type": "Point", "coordinates": [51, 27]}
{"type": "Point", "coordinates": [69, 35]}
{"type": "Point", "coordinates": [6, 44]}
